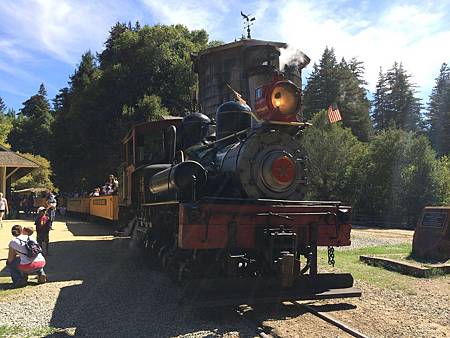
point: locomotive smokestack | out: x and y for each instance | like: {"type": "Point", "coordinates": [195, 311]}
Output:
{"type": "Point", "coordinates": [293, 70]}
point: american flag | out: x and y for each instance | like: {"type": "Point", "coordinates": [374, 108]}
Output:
{"type": "Point", "coordinates": [333, 114]}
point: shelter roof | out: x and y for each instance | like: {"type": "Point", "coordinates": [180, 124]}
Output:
{"type": "Point", "coordinates": [16, 164]}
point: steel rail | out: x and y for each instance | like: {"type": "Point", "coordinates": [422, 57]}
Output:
{"type": "Point", "coordinates": [251, 322]}
{"type": "Point", "coordinates": [331, 320]}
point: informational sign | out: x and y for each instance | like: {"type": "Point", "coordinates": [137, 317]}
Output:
{"type": "Point", "coordinates": [434, 219]}
{"type": "Point", "coordinates": [101, 201]}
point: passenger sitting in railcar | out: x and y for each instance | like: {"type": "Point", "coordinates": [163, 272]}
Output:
{"type": "Point", "coordinates": [107, 189]}
{"type": "Point", "coordinates": [113, 183]}
{"type": "Point", "coordinates": [95, 193]}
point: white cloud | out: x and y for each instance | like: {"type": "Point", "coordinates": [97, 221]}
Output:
{"type": "Point", "coordinates": [417, 36]}
{"type": "Point", "coordinates": [62, 29]}
{"type": "Point", "coordinates": [6, 87]}
{"type": "Point", "coordinates": [14, 70]}
{"type": "Point", "coordinates": [202, 14]}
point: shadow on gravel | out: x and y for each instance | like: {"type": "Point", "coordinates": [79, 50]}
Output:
{"type": "Point", "coordinates": [84, 228]}
{"type": "Point", "coordinates": [110, 293]}
{"type": "Point", "coordinates": [119, 296]}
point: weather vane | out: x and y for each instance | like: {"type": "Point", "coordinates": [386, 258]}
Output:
{"type": "Point", "coordinates": [248, 23]}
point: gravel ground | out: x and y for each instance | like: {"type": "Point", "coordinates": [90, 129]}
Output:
{"type": "Point", "coordinates": [365, 237]}
{"type": "Point", "coordinates": [99, 290]}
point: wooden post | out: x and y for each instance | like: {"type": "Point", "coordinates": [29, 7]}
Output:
{"type": "Point", "coordinates": [3, 180]}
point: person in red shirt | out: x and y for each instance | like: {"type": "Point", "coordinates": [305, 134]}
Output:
{"type": "Point", "coordinates": [43, 225]}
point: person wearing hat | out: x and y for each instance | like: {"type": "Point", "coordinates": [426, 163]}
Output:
{"type": "Point", "coordinates": [43, 224]}
{"type": "Point", "coordinates": [51, 208]}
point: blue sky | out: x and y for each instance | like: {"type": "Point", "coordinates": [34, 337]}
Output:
{"type": "Point", "coordinates": [42, 40]}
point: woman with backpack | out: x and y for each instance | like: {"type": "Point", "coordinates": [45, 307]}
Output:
{"type": "Point", "coordinates": [24, 257]}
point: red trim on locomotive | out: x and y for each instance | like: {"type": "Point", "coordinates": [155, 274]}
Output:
{"type": "Point", "coordinates": [208, 226]}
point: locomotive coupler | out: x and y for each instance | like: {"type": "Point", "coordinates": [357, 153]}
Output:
{"type": "Point", "coordinates": [278, 246]}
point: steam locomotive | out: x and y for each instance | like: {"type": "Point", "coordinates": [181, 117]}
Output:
{"type": "Point", "coordinates": [225, 208]}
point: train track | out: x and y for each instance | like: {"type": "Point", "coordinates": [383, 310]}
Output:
{"type": "Point", "coordinates": [266, 332]}
{"type": "Point", "coordinates": [329, 319]}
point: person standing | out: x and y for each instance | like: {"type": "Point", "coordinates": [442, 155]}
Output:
{"type": "Point", "coordinates": [19, 262]}
{"type": "Point", "coordinates": [51, 208]}
{"type": "Point", "coordinates": [42, 225]}
{"type": "Point", "coordinates": [3, 209]}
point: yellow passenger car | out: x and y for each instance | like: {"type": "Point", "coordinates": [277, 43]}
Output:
{"type": "Point", "coordinates": [78, 205]}
{"type": "Point", "coordinates": [105, 206]}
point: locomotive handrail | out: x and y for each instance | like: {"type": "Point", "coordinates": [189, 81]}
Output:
{"type": "Point", "coordinates": [262, 200]}
{"type": "Point", "coordinates": [209, 145]}
{"type": "Point", "coordinates": [282, 214]}
{"type": "Point", "coordinates": [276, 214]}
{"type": "Point", "coordinates": [160, 203]}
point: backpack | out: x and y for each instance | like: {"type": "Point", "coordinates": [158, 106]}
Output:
{"type": "Point", "coordinates": [33, 248]}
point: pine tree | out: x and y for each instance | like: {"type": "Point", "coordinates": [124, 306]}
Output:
{"type": "Point", "coordinates": [72, 125]}
{"type": "Point", "coordinates": [322, 88]}
{"type": "Point", "coordinates": [42, 91]}
{"type": "Point", "coordinates": [107, 56]}
{"type": "Point", "coordinates": [31, 132]}
{"type": "Point", "coordinates": [379, 102]}
{"type": "Point", "coordinates": [2, 107]}
{"type": "Point", "coordinates": [137, 26]}
{"type": "Point", "coordinates": [5, 122]}
{"type": "Point", "coordinates": [352, 100]}
{"type": "Point", "coordinates": [84, 73]}
{"type": "Point", "coordinates": [395, 103]}
{"type": "Point", "coordinates": [438, 114]}
{"type": "Point", "coordinates": [403, 107]}
{"type": "Point", "coordinates": [11, 113]}
{"type": "Point", "coordinates": [342, 84]}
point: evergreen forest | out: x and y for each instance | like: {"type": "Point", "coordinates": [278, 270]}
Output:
{"type": "Point", "coordinates": [388, 157]}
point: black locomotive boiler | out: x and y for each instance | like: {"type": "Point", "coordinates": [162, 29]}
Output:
{"type": "Point", "coordinates": [225, 209]}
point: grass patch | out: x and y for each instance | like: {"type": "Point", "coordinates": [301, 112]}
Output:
{"type": "Point", "coordinates": [348, 261]}
{"type": "Point", "coordinates": [16, 331]}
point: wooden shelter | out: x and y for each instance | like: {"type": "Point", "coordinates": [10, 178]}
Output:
{"type": "Point", "coordinates": [12, 167]}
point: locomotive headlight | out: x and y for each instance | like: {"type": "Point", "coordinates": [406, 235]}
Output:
{"type": "Point", "coordinates": [278, 101]}
{"type": "Point", "coordinates": [285, 98]}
